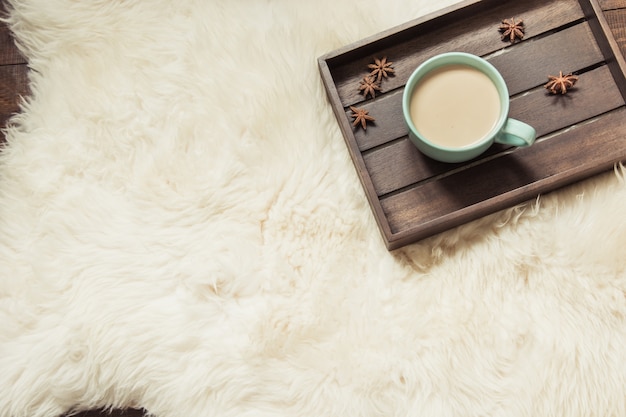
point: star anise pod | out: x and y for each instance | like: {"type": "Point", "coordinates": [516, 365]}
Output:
{"type": "Point", "coordinates": [512, 29]}
{"type": "Point", "coordinates": [381, 68]}
{"type": "Point", "coordinates": [560, 83]}
{"type": "Point", "coordinates": [361, 116]}
{"type": "Point", "coordinates": [369, 86]}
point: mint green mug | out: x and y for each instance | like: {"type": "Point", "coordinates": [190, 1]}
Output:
{"type": "Point", "coordinates": [456, 105]}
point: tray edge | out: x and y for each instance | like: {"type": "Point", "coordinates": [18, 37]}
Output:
{"type": "Point", "coordinates": [613, 56]}
{"type": "Point", "coordinates": [397, 29]}
{"type": "Point", "coordinates": [355, 155]}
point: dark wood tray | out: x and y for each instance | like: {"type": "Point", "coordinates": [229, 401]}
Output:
{"type": "Point", "coordinates": [579, 134]}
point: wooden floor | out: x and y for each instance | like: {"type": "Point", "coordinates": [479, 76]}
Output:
{"type": "Point", "coordinates": [14, 84]}
{"type": "Point", "coordinates": [13, 75]}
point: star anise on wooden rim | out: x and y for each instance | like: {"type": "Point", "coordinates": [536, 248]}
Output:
{"type": "Point", "coordinates": [381, 68]}
{"type": "Point", "coordinates": [369, 86]}
{"type": "Point", "coordinates": [361, 116]}
{"type": "Point", "coordinates": [560, 83]}
{"type": "Point", "coordinates": [512, 29]}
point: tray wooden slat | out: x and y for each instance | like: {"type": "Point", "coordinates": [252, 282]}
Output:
{"type": "Point", "coordinates": [473, 33]}
{"type": "Point", "coordinates": [9, 54]}
{"type": "Point", "coordinates": [580, 134]}
{"type": "Point", "coordinates": [523, 68]}
{"type": "Point", "coordinates": [526, 66]}
{"type": "Point", "coordinates": [13, 85]}
{"type": "Point", "coordinates": [400, 164]}
{"type": "Point", "coordinates": [612, 4]}
{"type": "Point", "coordinates": [572, 155]}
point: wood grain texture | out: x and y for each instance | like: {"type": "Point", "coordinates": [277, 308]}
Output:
{"type": "Point", "coordinates": [13, 86]}
{"type": "Point", "coordinates": [572, 155]}
{"type": "Point", "coordinates": [414, 45]}
{"type": "Point", "coordinates": [406, 190]}
{"type": "Point", "coordinates": [612, 4]}
{"type": "Point", "coordinates": [617, 22]}
{"type": "Point", "coordinates": [13, 74]}
{"type": "Point", "coordinates": [400, 164]}
{"type": "Point", "coordinates": [523, 68]}
{"type": "Point", "coordinates": [9, 54]}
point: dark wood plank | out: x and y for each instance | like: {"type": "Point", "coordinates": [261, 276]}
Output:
{"type": "Point", "coordinates": [13, 85]}
{"type": "Point", "coordinates": [389, 124]}
{"type": "Point", "coordinates": [449, 33]}
{"type": "Point", "coordinates": [390, 168]}
{"type": "Point", "coordinates": [400, 164]}
{"type": "Point", "coordinates": [617, 22]}
{"type": "Point", "coordinates": [9, 54]}
{"type": "Point", "coordinates": [456, 199]}
{"type": "Point", "coordinates": [523, 68]}
{"type": "Point", "coordinates": [13, 74]}
{"type": "Point", "coordinates": [595, 93]}
{"type": "Point", "coordinates": [612, 4]}
{"type": "Point", "coordinates": [529, 64]}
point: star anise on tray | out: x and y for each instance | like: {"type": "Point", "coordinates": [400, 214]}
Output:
{"type": "Point", "coordinates": [361, 116]}
{"type": "Point", "coordinates": [512, 29]}
{"type": "Point", "coordinates": [381, 69]}
{"type": "Point", "coordinates": [369, 86]}
{"type": "Point", "coordinates": [560, 83]}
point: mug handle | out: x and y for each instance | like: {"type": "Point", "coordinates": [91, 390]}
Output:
{"type": "Point", "coordinates": [516, 133]}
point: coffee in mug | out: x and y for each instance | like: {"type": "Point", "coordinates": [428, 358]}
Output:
{"type": "Point", "coordinates": [456, 105]}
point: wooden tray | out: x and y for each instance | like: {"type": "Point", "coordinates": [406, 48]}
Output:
{"type": "Point", "coordinates": [579, 134]}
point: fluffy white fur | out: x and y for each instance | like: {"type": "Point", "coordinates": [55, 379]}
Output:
{"type": "Point", "coordinates": [181, 229]}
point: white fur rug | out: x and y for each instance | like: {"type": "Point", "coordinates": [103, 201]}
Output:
{"type": "Point", "coordinates": [181, 229]}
